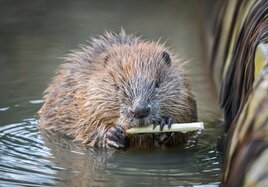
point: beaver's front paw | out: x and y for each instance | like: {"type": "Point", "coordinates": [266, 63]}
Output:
{"type": "Point", "coordinates": [162, 122]}
{"type": "Point", "coordinates": [116, 138]}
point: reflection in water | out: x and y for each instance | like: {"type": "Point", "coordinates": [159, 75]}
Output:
{"type": "Point", "coordinates": [33, 35]}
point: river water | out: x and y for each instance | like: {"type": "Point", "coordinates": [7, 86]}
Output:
{"type": "Point", "coordinates": [34, 34]}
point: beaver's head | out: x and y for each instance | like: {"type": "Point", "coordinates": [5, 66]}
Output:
{"type": "Point", "coordinates": [147, 82]}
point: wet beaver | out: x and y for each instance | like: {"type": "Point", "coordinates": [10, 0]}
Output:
{"type": "Point", "coordinates": [117, 82]}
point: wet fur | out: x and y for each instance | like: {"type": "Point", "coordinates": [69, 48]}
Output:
{"type": "Point", "coordinates": [99, 84]}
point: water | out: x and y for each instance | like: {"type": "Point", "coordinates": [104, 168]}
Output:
{"type": "Point", "coordinates": [34, 34]}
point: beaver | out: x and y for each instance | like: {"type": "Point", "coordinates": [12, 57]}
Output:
{"type": "Point", "coordinates": [116, 82]}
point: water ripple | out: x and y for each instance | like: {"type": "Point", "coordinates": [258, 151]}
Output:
{"type": "Point", "coordinates": [33, 158]}
{"type": "Point", "coordinates": [24, 157]}
{"type": "Point", "coordinates": [4, 109]}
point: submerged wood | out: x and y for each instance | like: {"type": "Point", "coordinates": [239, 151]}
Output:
{"type": "Point", "coordinates": [239, 63]}
{"type": "Point", "coordinates": [176, 127]}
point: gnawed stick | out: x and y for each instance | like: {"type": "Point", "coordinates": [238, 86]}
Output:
{"type": "Point", "coordinates": [176, 127]}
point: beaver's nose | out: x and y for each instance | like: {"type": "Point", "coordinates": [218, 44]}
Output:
{"type": "Point", "coordinates": [141, 111]}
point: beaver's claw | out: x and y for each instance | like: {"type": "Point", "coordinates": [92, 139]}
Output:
{"type": "Point", "coordinates": [162, 122]}
{"type": "Point", "coordinates": [116, 138]}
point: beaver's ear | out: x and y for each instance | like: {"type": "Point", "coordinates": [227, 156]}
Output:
{"type": "Point", "coordinates": [166, 58]}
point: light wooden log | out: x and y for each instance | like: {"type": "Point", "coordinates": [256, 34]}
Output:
{"type": "Point", "coordinates": [176, 127]}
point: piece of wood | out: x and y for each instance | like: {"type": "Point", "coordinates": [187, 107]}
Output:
{"type": "Point", "coordinates": [176, 127]}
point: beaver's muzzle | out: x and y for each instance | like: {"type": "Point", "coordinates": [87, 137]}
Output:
{"type": "Point", "coordinates": [141, 110]}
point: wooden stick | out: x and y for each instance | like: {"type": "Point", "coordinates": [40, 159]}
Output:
{"type": "Point", "coordinates": [176, 127]}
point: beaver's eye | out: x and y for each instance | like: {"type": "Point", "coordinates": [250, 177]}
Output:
{"type": "Point", "coordinates": [157, 84]}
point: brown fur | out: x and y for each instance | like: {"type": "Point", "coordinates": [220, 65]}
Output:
{"type": "Point", "coordinates": [98, 85]}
